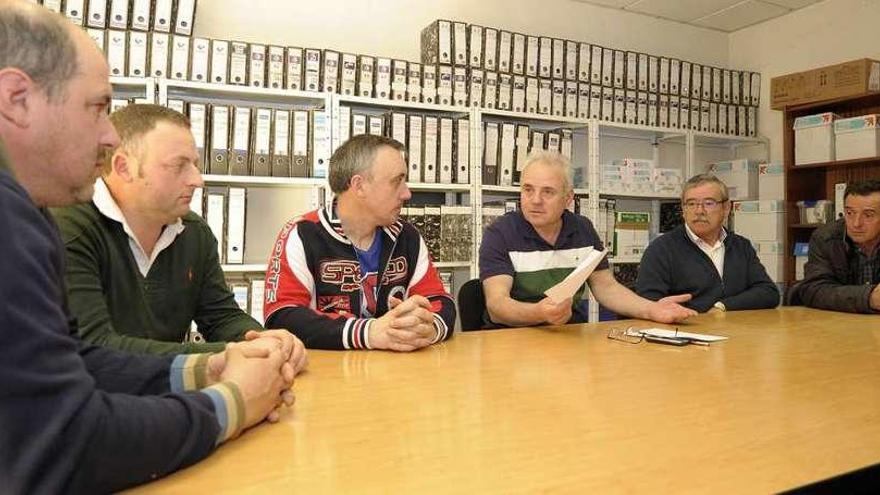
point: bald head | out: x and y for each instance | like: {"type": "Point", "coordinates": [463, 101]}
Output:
{"type": "Point", "coordinates": [40, 43]}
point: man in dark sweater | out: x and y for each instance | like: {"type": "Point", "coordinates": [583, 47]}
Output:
{"type": "Point", "coordinates": [843, 270]}
{"type": "Point", "coordinates": [718, 268]}
{"type": "Point", "coordinates": [78, 418]}
{"type": "Point", "coordinates": [140, 265]}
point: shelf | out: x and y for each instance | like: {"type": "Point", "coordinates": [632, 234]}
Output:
{"type": "Point", "coordinates": [501, 189]}
{"type": "Point", "coordinates": [249, 180]}
{"type": "Point", "coordinates": [437, 187]}
{"type": "Point", "coordinates": [131, 82]}
{"type": "Point", "coordinates": [581, 191]}
{"type": "Point", "coordinates": [254, 95]}
{"type": "Point", "coordinates": [714, 139]}
{"type": "Point", "coordinates": [837, 163]}
{"type": "Point", "coordinates": [550, 119]}
{"type": "Point", "coordinates": [234, 268]}
{"type": "Point", "coordinates": [134, 87]}
{"type": "Point", "coordinates": [452, 264]}
{"type": "Point", "coordinates": [651, 196]}
{"type": "Point", "coordinates": [631, 131]}
{"type": "Point", "coordinates": [622, 260]}
{"type": "Point", "coordinates": [396, 104]}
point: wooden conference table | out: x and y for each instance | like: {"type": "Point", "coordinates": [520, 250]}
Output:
{"type": "Point", "coordinates": [791, 398]}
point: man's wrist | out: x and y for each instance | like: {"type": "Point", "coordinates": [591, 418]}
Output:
{"type": "Point", "coordinates": [720, 306]}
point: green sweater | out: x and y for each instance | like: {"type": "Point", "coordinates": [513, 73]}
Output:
{"type": "Point", "coordinates": [117, 307]}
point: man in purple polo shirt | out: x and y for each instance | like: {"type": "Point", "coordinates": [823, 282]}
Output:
{"type": "Point", "coordinates": [528, 251]}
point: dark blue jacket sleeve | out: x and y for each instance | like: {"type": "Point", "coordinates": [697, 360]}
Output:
{"type": "Point", "coordinates": [66, 425]}
{"type": "Point", "coordinates": [653, 280]}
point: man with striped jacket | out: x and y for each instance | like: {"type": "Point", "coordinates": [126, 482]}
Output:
{"type": "Point", "coordinates": [354, 275]}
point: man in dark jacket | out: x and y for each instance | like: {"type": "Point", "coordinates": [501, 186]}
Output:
{"type": "Point", "coordinates": [719, 268]}
{"type": "Point", "coordinates": [843, 270]}
{"type": "Point", "coordinates": [78, 418]}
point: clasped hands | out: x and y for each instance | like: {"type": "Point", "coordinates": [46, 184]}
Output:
{"type": "Point", "coordinates": [263, 367]}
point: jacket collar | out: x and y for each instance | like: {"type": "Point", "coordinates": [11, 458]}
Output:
{"type": "Point", "coordinates": [331, 222]}
{"type": "Point", "coordinates": [5, 163]}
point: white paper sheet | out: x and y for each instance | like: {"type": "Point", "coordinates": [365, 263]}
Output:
{"type": "Point", "coordinates": [570, 285]}
{"type": "Point", "coordinates": [663, 332]}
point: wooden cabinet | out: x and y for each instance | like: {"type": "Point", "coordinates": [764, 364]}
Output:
{"type": "Point", "coordinates": [817, 180]}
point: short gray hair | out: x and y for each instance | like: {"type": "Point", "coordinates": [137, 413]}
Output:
{"type": "Point", "coordinates": [701, 179]}
{"type": "Point", "coordinates": [553, 158]}
{"type": "Point", "coordinates": [355, 156]}
{"type": "Point", "coordinates": [39, 43]}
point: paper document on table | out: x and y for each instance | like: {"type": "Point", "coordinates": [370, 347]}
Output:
{"type": "Point", "coordinates": [570, 285]}
{"type": "Point", "coordinates": [663, 332]}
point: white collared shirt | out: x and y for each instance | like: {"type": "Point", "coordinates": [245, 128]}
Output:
{"type": "Point", "coordinates": [715, 252]}
{"type": "Point", "coordinates": [107, 206]}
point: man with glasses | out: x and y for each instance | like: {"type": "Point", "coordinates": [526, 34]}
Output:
{"type": "Point", "coordinates": [526, 252]}
{"type": "Point", "coordinates": [843, 271]}
{"type": "Point", "coordinates": [718, 268]}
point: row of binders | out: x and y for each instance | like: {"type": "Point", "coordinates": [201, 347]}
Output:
{"type": "Point", "coordinates": [447, 230]}
{"type": "Point", "coordinates": [507, 145]}
{"type": "Point", "coordinates": [438, 149]}
{"type": "Point", "coordinates": [225, 211]}
{"type": "Point", "coordinates": [489, 49]}
{"type": "Point", "coordinates": [239, 140]}
{"type": "Point", "coordinates": [163, 16]}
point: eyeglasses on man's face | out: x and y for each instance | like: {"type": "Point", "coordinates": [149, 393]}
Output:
{"type": "Point", "coordinates": [707, 204]}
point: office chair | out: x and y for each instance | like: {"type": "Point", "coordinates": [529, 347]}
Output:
{"type": "Point", "coordinates": [471, 305]}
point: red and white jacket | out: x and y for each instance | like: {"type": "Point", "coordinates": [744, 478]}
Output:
{"type": "Point", "coordinates": [314, 286]}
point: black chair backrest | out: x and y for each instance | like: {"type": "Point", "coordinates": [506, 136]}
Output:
{"type": "Point", "coordinates": [471, 305]}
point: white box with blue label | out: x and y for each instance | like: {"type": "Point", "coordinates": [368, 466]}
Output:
{"type": "Point", "coordinates": [760, 220]}
{"type": "Point", "coordinates": [814, 138]}
{"type": "Point", "coordinates": [740, 177]}
{"type": "Point", "coordinates": [771, 181]}
{"type": "Point", "coordinates": [857, 137]}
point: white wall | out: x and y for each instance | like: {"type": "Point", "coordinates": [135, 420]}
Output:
{"type": "Point", "coordinates": [822, 34]}
{"type": "Point", "coordinates": [392, 27]}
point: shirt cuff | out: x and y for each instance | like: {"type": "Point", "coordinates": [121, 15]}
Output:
{"type": "Point", "coordinates": [356, 333]}
{"type": "Point", "coordinates": [228, 407]}
{"type": "Point", "coordinates": [440, 328]}
{"type": "Point", "coordinates": [189, 372]}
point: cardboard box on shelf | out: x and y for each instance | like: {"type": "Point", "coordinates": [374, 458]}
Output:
{"type": "Point", "coordinates": [740, 177]}
{"type": "Point", "coordinates": [771, 181]}
{"type": "Point", "coordinates": [834, 81]}
{"type": "Point", "coordinates": [857, 137]}
{"type": "Point", "coordinates": [760, 220]}
{"type": "Point", "coordinates": [814, 138]}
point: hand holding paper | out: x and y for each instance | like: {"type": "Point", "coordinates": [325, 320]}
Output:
{"type": "Point", "coordinates": [570, 285]}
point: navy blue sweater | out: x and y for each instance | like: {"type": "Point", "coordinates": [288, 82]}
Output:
{"type": "Point", "coordinates": [77, 418]}
{"type": "Point", "coordinates": [673, 264]}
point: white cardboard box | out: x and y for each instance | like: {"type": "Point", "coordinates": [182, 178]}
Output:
{"type": "Point", "coordinates": [857, 137]}
{"type": "Point", "coordinates": [771, 181]}
{"type": "Point", "coordinates": [814, 138]}
{"type": "Point", "coordinates": [740, 176]}
{"type": "Point", "coordinates": [760, 220]}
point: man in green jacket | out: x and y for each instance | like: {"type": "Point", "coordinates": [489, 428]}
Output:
{"type": "Point", "coordinates": [140, 265]}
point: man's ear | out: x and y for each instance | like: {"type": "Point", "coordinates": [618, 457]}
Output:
{"type": "Point", "coordinates": [356, 184]}
{"type": "Point", "coordinates": [17, 91]}
{"type": "Point", "coordinates": [123, 165]}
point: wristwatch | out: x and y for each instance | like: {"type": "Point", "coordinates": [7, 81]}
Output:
{"type": "Point", "coordinates": [720, 305]}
